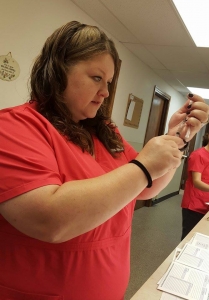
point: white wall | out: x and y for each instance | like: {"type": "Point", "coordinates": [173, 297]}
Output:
{"type": "Point", "coordinates": [24, 27]}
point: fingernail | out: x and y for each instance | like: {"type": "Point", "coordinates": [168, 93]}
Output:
{"type": "Point", "coordinates": [189, 106]}
{"type": "Point", "coordinates": [190, 95]}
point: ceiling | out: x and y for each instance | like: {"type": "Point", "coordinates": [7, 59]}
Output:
{"type": "Point", "coordinates": [154, 32]}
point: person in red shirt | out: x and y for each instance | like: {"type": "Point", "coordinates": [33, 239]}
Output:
{"type": "Point", "coordinates": [69, 180]}
{"type": "Point", "coordinates": [196, 193]}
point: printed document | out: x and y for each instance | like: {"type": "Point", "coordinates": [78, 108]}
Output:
{"type": "Point", "coordinates": [185, 282]}
{"type": "Point", "coordinates": [188, 274]}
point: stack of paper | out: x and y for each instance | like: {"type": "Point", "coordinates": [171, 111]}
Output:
{"type": "Point", "coordinates": [188, 274]}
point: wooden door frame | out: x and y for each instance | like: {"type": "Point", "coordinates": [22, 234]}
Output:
{"type": "Point", "coordinates": [166, 98]}
{"type": "Point", "coordinates": [162, 95]}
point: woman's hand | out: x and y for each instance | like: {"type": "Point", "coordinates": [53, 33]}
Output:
{"type": "Point", "coordinates": [161, 154]}
{"type": "Point", "coordinates": [190, 118]}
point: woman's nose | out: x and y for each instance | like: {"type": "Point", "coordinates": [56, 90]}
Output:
{"type": "Point", "coordinates": [104, 92]}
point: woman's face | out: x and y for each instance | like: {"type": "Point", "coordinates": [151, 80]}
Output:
{"type": "Point", "coordinates": [88, 86]}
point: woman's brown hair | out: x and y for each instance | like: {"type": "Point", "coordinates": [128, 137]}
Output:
{"type": "Point", "coordinates": [205, 139]}
{"type": "Point", "coordinates": [68, 45]}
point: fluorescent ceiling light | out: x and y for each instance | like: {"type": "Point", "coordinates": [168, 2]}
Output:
{"type": "Point", "coordinates": [195, 15]}
{"type": "Point", "coordinates": [204, 93]}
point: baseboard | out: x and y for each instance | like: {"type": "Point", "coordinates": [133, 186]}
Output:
{"type": "Point", "coordinates": [156, 201]}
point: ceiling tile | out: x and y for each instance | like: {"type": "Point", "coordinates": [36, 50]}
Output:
{"type": "Point", "coordinates": [141, 52]}
{"type": "Point", "coordinates": [178, 58]}
{"type": "Point", "coordinates": [194, 79]}
{"type": "Point", "coordinates": [106, 19]}
{"type": "Point", "coordinates": [152, 22]}
{"type": "Point", "coordinates": [172, 80]}
{"type": "Point", "coordinates": [204, 55]}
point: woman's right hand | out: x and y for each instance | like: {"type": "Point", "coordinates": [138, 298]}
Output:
{"type": "Point", "coordinates": [161, 154]}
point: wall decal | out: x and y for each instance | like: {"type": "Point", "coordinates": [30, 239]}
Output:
{"type": "Point", "coordinates": [9, 68]}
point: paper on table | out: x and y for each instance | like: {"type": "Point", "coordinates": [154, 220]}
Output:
{"type": "Point", "coordinates": [194, 257]}
{"type": "Point", "coordinates": [185, 282]}
{"type": "Point", "coordinates": [166, 296]}
{"type": "Point", "coordinates": [200, 240]}
{"type": "Point", "coordinates": [198, 258]}
{"type": "Point", "coordinates": [176, 253]}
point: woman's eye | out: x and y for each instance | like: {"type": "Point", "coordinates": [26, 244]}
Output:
{"type": "Point", "coordinates": [97, 78]}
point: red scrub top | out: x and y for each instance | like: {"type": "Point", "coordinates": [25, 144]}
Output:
{"type": "Point", "coordinates": [92, 266]}
{"type": "Point", "coordinates": [193, 198]}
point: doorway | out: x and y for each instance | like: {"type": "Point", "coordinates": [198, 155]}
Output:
{"type": "Point", "coordinates": [158, 114]}
{"type": "Point", "coordinates": [156, 124]}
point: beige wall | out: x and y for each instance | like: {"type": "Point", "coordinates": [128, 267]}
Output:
{"type": "Point", "coordinates": [25, 25]}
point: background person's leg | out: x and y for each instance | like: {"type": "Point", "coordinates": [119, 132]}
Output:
{"type": "Point", "coordinates": [189, 219]}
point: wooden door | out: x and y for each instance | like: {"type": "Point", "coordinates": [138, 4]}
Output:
{"type": "Point", "coordinates": [156, 124]}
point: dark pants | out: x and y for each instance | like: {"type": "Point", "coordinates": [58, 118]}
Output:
{"type": "Point", "coordinates": [189, 219]}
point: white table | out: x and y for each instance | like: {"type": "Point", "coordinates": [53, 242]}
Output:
{"type": "Point", "coordinates": [148, 290]}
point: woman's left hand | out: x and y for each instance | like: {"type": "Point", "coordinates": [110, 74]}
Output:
{"type": "Point", "coordinates": [190, 118]}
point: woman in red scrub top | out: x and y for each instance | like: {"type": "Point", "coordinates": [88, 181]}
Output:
{"type": "Point", "coordinates": [196, 193]}
{"type": "Point", "coordinates": [68, 179]}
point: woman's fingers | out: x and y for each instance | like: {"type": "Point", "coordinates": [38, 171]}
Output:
{"type": "Point", "coordinates": [200, 111]}
{"type": "Point", "coordinates": [189, 119]}
{"type": "Point", "coordinates": [161, 154]}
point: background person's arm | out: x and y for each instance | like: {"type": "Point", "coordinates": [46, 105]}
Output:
{"type": "Point", "coordinates": [198, 183]}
